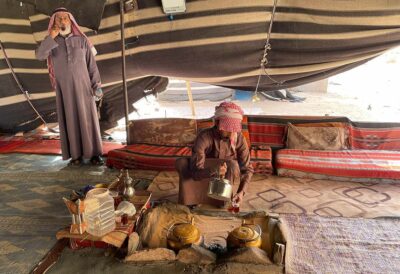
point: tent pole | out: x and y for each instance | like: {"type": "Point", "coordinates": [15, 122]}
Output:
{"type": "Point", "coordinates": [189, 92]}
{"type": "Point", "coordinates": [125, 88]}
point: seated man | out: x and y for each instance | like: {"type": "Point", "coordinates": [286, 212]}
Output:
{"type": "Point", "coordinates": [219, 150]}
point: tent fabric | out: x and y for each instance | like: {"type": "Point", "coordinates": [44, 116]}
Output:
{"type": "Point", "coordinates": [222, 44]}
{"type": "Point", "coordinates": [214, 42]}
{"type": "Point", "coordinates": [88, 12]}
{"type": "Point", "coordinates": [22, 28]}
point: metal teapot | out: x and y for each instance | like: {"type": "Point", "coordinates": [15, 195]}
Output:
{"type": "Point", "coordinates": [220, 188]}
{"type": "Point", "coordinates": [128, 190]}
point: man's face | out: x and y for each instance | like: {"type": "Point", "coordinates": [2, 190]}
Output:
{"type": "Point", "coordinates": [224, 134]}
{"type": "Point", "coordinates": [62, 20]}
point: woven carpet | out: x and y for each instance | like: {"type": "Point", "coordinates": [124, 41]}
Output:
{"type": "Point", "coordinates": [304, 196]}
{"type": "Point", "coordinates": [341, 245]}
{"type": "Point", "coordinates": [31, 212]}
{"type": "Point", "coordinates": [40, 146]}
{"type": "Point", "coordinates": [31, 206]}
{"type": "Point", "coordinates": [165, 186]}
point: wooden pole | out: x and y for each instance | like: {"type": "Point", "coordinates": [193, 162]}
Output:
{"type": "Point", "coordinates": [189, 92]}
{"type": "Point", "coordinates": [125, 88]}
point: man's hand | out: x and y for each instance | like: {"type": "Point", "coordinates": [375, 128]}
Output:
{"type": "Point", "coordinates": [55, 30]}
{"type": "Point", "coordinates": [238, 197]}
{"type": "Point", "coordinates": [222, 170]}
{"type": "Point", "coordinates": [98, 94]}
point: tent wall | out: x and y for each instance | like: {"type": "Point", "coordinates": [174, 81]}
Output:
{"type": "Point", "coordinates": [216, 41]}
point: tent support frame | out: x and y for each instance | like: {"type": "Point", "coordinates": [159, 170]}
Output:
{"type": "Point", "coordinates": [124, 84]}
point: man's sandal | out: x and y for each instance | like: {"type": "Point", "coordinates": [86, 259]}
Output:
{"type": "Point", "coordinates": [75, 162]}
{"type": "Point", "coordinates": [96, 160]}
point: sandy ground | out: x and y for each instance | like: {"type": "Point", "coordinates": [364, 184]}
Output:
{"type": "Point", "coordinates": [94, 259]}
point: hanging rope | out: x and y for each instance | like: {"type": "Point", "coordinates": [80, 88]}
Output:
{"type": "Point", "coordinates": [24, 92]}
{"type": "Point", "coordinates": [267, 47]}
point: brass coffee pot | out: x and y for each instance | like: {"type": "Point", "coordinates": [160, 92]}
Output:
{"type": "Point", "coordinates": [181, 235]}
{"type": "Point", "coordinates": [128, 190]}
{"type": "Point", "coordinates": [246, 235]}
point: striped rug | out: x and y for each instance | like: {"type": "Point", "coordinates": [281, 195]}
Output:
{"type": "Point", "coordinates": [39, 146]}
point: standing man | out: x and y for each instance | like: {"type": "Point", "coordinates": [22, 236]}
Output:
{"type": "Point", "coordinates": [75, 77]}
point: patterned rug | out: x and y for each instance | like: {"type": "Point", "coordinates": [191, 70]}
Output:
{"type": "Point", "coordinates": [341, 245]}
{"type": "Point", "coordinates": [31, 207]}
{"type": "Point", "coordinates": [304, 196]}
{"type": "Point", "coordinates": [165, 186]}
{"type": "Point", "coordinates": [31, 211]}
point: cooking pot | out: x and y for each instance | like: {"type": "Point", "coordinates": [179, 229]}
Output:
{"type": "Point", "coordinates": [181, 235]}
{"type": "Point", "coordinates": [246, 235]}
{"type": "Point", "coordinates": [220, 189]}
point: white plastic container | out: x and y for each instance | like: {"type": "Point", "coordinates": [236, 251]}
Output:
{"type": "Point", "coordinates": [99, 212]}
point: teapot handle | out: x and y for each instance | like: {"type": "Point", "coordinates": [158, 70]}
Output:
{"type": "Point", "coordinates": [169, 230]}
{"type": "Point", "coordinates": [258, 227]}
{"type": "Point", "coordinates": [175, 224]}
{"type": "Point", "coordinates": [218, 175]}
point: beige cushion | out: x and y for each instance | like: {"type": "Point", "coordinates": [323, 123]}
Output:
{"type": "Point", "coordinates": [170, 131]}
{"type": "Point", "coordinates": [317, 138]}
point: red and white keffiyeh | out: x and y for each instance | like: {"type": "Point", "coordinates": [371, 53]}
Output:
{"type": "Point", "coordinates": [230, 118]}
{"type": "Point", "coordinates": [75, 30]}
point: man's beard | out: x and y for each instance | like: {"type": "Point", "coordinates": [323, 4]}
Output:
{"type": "Point", "coordinates": [65, 30]}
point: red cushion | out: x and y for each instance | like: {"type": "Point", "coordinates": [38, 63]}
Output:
{"type": "Point", "coordinates": [143, 156]}
{"type": "Point", "coordinates": [271, 134]}
{"type": "Point", "coordinates": [162, 157]}
{"type": "Point", "coordinates": [375, 138]}
{"type": "Point", "coordinates": [261, 160]}
{"type": "Point", "coordinates": [345, 163]}
{"type": "Point", "coordinates": [8, 145]}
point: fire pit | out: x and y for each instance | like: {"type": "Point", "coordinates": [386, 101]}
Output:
{"type": "Point", "coordinates": [224, 239]}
